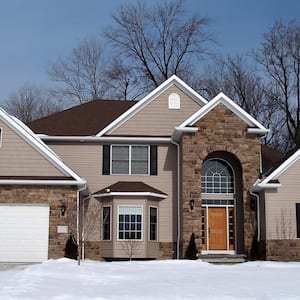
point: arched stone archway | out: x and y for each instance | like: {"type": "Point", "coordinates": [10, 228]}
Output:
{"type": "Point", "coordinates": [222, 210]}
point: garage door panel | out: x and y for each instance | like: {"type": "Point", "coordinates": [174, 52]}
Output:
{"type": "Point", "coordinates": [24, 233]}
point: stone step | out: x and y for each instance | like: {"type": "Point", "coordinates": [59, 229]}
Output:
{"type": "Point", "coordinates": [223, 259]}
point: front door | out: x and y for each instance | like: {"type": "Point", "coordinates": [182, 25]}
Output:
{"type": "Point", "coordinates": [217, 228]}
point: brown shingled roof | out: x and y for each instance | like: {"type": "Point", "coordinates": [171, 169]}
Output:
{"type": "Point", "coordinates": [82, 120]}
{"type": "Point", "coordinates": [129, 186]}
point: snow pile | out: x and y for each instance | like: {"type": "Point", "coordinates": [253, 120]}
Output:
{"type": "Point", "coordinates": [63, 279]}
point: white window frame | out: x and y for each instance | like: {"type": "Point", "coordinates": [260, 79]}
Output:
{"type": "Point", "coordinates": [149, 229]}
{"type": "Point", "coordinates": [110, 223]}
{"type": "Point", "coordinates": [142, 223]}
{"type": "Point", "coordinates": [129, 159]}
{"type": "Point", "coordinates": [233, 177]}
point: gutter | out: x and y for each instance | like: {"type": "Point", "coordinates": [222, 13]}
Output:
{"type": "Point", "coordinates": [41, 182]}
{"type": "Point", "coordinates": [83, 139]}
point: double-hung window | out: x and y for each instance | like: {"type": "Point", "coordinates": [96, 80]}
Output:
{"type": "Point", "coordinates": [153, 223]}
{"type": "Point", "coordinates": [106, 223]}
{"type": "Point", "coordinates": [130, 159]}
{"type": "Point", "coordinates": [130, 221]}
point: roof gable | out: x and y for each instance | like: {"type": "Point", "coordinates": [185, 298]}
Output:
{"type": "Point", "coordinates": [254, 125]}
{"type": "Point", "coordinates": [173, 80]}
{"type": "Point", "coordinates": [21, 130]}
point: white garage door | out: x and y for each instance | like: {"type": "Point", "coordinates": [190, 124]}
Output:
{"type": "Point", "coordinates": [24, 233]}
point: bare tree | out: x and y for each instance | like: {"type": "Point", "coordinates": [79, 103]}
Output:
{"type": "Point", "coordinates": [238, 77]}
{"type": "Point", "coordinates": [80, 76]}
{"type": "Point", "coordinates": [123, 82]}
{"type": "Point", "coordinates": [130, 247]}
{"type": "Point", "coordinates": [279, 57]}
{"type": "Point", "coordinates": [31, 102]}
{"type": "Point", "coordinates": [159, 41]}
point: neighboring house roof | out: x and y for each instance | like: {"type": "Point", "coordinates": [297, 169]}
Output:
{"type": "Point", "coordinates": [130, 188]}
{"type": "Point", "coordinates": [271, 158]}
{"type": "Point", "coordinates": [26, 134]}
{"type": "Point", "coordinates": [83, 120]}
{"type": "Point", "coordinates": [271, 179]}
{"type": "Point", "coordinates": [254, 126]}
{"type": "Point", "coordinates": [173, 80]}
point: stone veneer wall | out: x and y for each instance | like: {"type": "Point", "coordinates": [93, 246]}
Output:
{"type": "Point", "coordinates": [284, 250]}
{"type": "Point", "coordinates": [219, 130]}
{"type": "Point", "coordinates": [55, 196]}
{"type": "Point", "coordinates": [167, 250]}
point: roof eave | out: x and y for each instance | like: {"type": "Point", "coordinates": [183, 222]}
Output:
{"type": "Point", "coordinates": [134, 194]}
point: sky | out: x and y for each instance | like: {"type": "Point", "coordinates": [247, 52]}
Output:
{"type": "Point", "coordinates": [35, 32]}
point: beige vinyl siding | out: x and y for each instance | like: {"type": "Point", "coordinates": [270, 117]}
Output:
{"type": "Point", "coordinates": [18, 158]}
{"type": "Point", "coordinates": [280, 205]}
{"type": "Point", "coordinates": [156, 118]}
{"type": "Point", "coordinates": [86, 160]}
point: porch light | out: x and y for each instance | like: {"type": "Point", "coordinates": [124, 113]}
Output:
{"type": "Point", "coordinates": [63, 209]}
{"type": "Point", "coordinates": [192, 204]}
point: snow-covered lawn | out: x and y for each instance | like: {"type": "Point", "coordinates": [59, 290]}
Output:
{"type": "Point", "coordinates": [171, 279]}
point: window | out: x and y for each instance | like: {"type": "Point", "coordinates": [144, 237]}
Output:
{"type": "Point", "coordinates": [130, 222]}
{"type": "Point", "coordinates": [106, 221]}
{"type": "Point", "coordinates": [130, 159]}
{"type": "Point", "coordinates": [298, 219]}
{"type": "Point", "coordinates": [124, 159]}
{"type": "Point", "coordinates": [217, 177]}
{"type": "Point", "coordinates": [153, 224]}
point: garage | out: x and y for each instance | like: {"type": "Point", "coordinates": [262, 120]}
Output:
{"type": "Point", "coordinates": [24, 233]}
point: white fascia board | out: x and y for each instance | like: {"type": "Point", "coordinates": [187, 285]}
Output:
{"type": "Point", "coordinates": [221, 98]}
{"type": "Point", "coordinates": [38, 144]}
{"type": "Point", "coordinates": [148, 99]}
{"type": "Point", "coordinates": [136, 194]}
{"type": "Point", "coordinates": [257, 131]}
{"type": "Point", "coordinates": [177, 133]}
{"type": "Point", "coordinates": [282, 168]}
{"type": "Point", "coordinates": [40, 182]}
{"type": "Point", "coordinates": [105, 139]}
{"type": "Point", "coordinates": [262, 186]}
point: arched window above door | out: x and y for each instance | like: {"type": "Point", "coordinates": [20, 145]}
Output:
{"type": "Point", "coordinates": [217, 177]}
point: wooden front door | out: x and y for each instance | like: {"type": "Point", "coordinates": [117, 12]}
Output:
{"type": "Point", "coordinates": [217, 228]}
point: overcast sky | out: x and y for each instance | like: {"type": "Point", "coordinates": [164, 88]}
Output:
{"type": "Point", "coordinates": [35, 32]}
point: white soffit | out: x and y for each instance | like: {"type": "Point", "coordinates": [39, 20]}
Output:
{"type": "Point", "coordinates": [222, 98]}
{"type": "Point", "coordinates": [149, 98]}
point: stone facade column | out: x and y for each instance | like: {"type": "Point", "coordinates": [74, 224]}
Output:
{"type": "Point", "coordinates": [219, 131]}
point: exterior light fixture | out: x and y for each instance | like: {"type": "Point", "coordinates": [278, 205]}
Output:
{"type": "Point", "coordinates": [63, 209]}
{"type": "Point", "coordinates": [192, 204]}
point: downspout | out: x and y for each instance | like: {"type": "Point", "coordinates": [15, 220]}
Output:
{"type": "Point", "coordinates": [77, 221]}
{"type": "Point", "coordinates": [82, 233]}
{"type": "Point", "coordinates": [257, 212]}
{"type": "Point", "coordinates": [178, 199]}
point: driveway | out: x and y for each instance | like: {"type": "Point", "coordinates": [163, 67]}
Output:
{"type": "Point", "coordinates": [8, 266]}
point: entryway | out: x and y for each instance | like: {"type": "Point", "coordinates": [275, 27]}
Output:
{"type": "Point", "coordinates": [218, 235]}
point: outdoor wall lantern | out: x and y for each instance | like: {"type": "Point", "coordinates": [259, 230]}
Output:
{"type": "Point", "coordinates": [192, 204]}
{"type": "Point", "coordinates": [63, 209]}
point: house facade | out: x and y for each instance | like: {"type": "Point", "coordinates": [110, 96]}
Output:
{"type": "Point", "coordinates": [141, 179]}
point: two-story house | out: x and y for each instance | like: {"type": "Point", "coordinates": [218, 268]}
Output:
{"type": "Point", "coordinates": [138, 179]}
